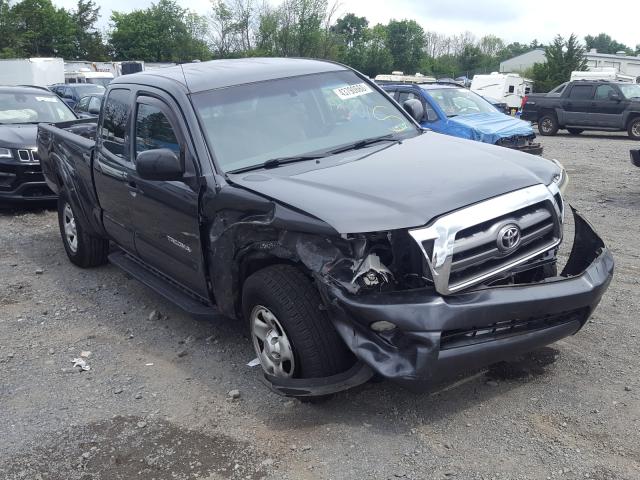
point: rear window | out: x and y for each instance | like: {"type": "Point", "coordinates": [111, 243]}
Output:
{"type": "Point", "coordinates": [581, 92]}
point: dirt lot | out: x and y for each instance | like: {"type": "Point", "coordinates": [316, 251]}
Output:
{"type": "Point", "coordinates": [155, 403]}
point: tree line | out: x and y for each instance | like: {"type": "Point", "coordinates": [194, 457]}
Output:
{"type": "Point", "coordinates": [166, 32]}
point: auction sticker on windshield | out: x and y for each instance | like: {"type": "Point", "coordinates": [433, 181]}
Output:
{"type": "Point", "coordinates": [352, 91]}
{"type": "Point", "coordinates": [46, 99]}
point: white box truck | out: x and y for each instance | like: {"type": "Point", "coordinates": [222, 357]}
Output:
{"type": "Point", "coordinates": [509, 88]}
{"type": "Point", "coordinates": [41, 72]}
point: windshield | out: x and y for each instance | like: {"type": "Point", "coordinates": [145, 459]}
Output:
{"type": "Point", "coordinates": [88, 88]}
{"type": "Point", "coordinates": [630, 90]}
{"type": "Point", "coordinates": [247, 125]}
{"type": "Point", "coordinates": [33, 108]}
{"type": "Point", "coordinates": [460, 101]}
{"type": "Point", "coordinates": [103, 82]}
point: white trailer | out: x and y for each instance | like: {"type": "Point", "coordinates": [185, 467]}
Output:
{"type": "Point", "coordinates": [41, 72]}
{"type": "Point", "coordinates": [86, 75]}
{"type": "Point", "coordinates": [509, 88]}
{"type": "Point", "coordinates": [604, 73]}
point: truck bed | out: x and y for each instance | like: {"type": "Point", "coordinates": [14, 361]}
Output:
{"type": "Point", "coordinates": [65, 149]}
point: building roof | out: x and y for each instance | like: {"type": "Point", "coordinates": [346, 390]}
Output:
{"type": "Point", "coordinates": [523, 54]}
{"type": "Point", "coordinates": [202, 76]}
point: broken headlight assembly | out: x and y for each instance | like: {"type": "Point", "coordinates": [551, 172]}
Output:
{"type": "Point", "coordinates": [561, 179]}
{"type": "Point", "coordinates": [380, 262]}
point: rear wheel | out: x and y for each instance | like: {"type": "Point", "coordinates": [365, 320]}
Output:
{"type": "Point", "coordinates": [575, 131]}
{"type": "Point", "coordinates": [548, 125]}
{"type": "Point", "coordinates": [634, 128]}
{"type": "Point", "coordinates": [292, 336]}
{"type": "Point", "coordinates": [83, 249]}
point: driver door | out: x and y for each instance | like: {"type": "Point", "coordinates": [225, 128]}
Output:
{"type": "Point", "coordinates": [165, 214]}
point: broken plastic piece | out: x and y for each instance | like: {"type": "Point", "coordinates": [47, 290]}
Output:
{"type": "Point", "coordinates": [79, 362]}
{"type": "Point", "coordinates": [254, 363]}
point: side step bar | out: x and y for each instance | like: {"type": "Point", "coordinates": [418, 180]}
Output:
{"type": "Point", "coordinates": [164, 287]}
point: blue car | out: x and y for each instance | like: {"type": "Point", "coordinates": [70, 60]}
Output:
{"type": "Point", "coordinates": [454, 110]}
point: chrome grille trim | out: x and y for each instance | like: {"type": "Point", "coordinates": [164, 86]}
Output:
{"type": "Point", "coordinates": [29, 155]}
{"type": "Point", "coordinates": [442, 235]}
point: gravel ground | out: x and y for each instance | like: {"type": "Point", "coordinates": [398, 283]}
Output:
{"type": "Point", "coordinates": [155, 403]}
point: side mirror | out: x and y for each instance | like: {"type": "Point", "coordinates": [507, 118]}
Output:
{"type": "Point", "coordinates": [414, 108]}
{"type": "Point", "coordinates": [159, 164]}
{"type": "Point", "coordinates": [615, 97]}
{"type": "Point", "coordinates": [94, 111]}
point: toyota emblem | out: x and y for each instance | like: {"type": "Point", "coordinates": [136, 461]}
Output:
{"type": "Point", "coordinates": [509, 238]}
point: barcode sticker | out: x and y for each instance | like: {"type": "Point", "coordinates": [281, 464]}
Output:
{"type": "Point", "coordinates": [352, 91]}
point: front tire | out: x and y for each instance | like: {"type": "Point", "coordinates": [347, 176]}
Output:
{"type": "Point", "coordinates": [548, 125]}
{"type": "Point", "coordinates": [291, 335]}
{"type": "Point", "coordinates": [634, 128]}
{"type": "Point", "coordinates": [83, 249]}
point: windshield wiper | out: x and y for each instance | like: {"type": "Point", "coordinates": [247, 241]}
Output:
{"type": "Point", "coordinates": [390, 137]}
{"type": "Point", "coordinates": [276, 162]}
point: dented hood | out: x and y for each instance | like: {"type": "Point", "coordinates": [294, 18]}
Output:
{"type": "Point", "coordinates": [400, 185]}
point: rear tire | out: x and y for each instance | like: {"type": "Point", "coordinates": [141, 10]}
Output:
{"type": "Point", "coordinates": [634, 128]}
{"type": "Point", "coordinates": [575, 131]}
{"type": "Point", "coordinates": [282, 307]}
{"type": "Point", "coordinates": [548, 125]}
{"type": "Point", "coordinates": [83, 249]}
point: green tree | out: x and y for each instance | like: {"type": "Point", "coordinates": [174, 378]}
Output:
{"type": "Point", "coordinates": [164, 32]}
{"type": "Point", "coordinates": [377, 56]}
{"type": "Point", "coordinates": [405, 41]}
{"type": "Point", "coordinates": [41, 29]}
{"type": "Point", "coordinates": [7, 31]}
{"type": "Point", "coordinates": [605, 44]}
{"type": "Point", "coordinates": [88, 42]}
{"type": "Point", "coordinates": [563, 57]}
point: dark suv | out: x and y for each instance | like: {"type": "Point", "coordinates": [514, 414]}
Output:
{"type": "Point", "coordinates": [586, 105]}
{"type": "Point", "coordinates": [71, 93]}
{"type": "Point", "coordinates": [21, 109]}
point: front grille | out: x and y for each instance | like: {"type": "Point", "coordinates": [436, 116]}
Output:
{"type": "Point", "coordinates": [28, 155]}
{"type": "Point", "coordinates": [476, 252]}
{"type": "Point", "coordinates": [508, 328]}
{"type": "Point", "coordinates": [466, 247]}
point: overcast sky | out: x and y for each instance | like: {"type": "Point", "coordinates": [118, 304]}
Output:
{"type": "Point", "coordinates": [511, 20]}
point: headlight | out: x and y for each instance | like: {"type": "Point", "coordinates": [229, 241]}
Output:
{"type": "Point", "coordinates": [5, 153]}
{"type": "Point", "coordinates": [561, 179]}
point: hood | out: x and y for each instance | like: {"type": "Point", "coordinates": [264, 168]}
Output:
{"type": "Point", "coordinates": [487, 127]}
{"type": "Point", "coordinates": [18, 136]}
{"type": "Point", "coordinates": [401, 185]}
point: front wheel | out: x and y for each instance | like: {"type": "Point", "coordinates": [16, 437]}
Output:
{"type": "Point", "coordinates": [292, 336]}
{"type": "Point", "coordinates": [634, 128]}
{"type": "Point", "coordinates": [83, 249]}
{"type": "Point", "coordinates": [548, 125]}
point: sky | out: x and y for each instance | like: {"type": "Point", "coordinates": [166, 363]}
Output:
{"type": "Point", "coordinates": [511, 20]}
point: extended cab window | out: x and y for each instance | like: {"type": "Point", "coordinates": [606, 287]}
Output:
{"type": "Point", "coordinates": [115, 119]}
{"type": "Point", "coordinates": [153, 130]}
{"type": "Point", "coordinates": [580, 92]}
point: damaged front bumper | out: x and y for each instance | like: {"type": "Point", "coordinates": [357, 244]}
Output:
{"type": "Point", "coordinates": [438, 336]}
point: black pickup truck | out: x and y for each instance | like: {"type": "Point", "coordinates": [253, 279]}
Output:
{"type": "Point", "coordinates": [586, 105]}
{"type": "Point", "coordinates": [297, 196]}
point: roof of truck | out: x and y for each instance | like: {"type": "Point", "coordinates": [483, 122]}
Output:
{"type": "Point", "coordinates": [202, 76]}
